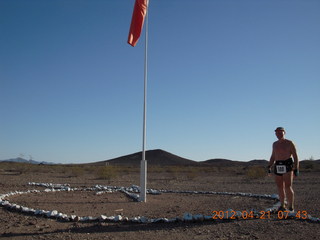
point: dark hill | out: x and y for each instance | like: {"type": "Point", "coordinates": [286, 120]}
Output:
{"type": "Point", "coordinates": [160, 157]}
{"type": "Point", "coordinates": [154, 157]}
{"type": "Point", "coordinates": [220, 162]}
{"type": "Point", "coordinates": [259, 162]}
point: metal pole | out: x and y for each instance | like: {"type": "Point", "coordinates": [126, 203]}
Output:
{"type": "Point", "coordinates": [143, 164]}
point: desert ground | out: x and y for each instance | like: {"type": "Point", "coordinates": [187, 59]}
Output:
{"type": "Point", "coordinates": [16, 225]}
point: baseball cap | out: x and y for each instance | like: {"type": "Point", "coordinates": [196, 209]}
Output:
{"type": "Point", "coordinates": [279, 129]}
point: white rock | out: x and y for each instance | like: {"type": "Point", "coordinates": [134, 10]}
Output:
{"type": "Point", "coordinates": [16, 207]}
{"type": "Point", "coordinates": [74, 218]}
{"type": "Point", "coordinates": [118, 218]}
{"type": "Point", "coordinates": [166, 220]}
{"type": "Point", "coordinates": [134, 219]}
{"type": "Point", "coordinates": [53, 213]}
{"type": "Point", "coordinates": [156, 220]}
{"type": "Point", "coordinates": [37, 212]}
{"type": "Point", "coordinates": [187, 217]}
{"type": "Point", "coordinates": [25, 209]}
{"type": "Point", "coordinates": [83, 219]}
{"type": "Point", "coordinates": [173, 219]}
{"type": "Point", "coordinates": [44, 212]}
{"type": "Point", "coordinates": [4, 203]}
{"type": "Point", "coordinates": [90, 218]}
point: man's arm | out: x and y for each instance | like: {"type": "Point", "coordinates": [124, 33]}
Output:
{"type": "Point", "coordinates": [295, 156]}
{"type": "Point", "coordinates": [272, 158]}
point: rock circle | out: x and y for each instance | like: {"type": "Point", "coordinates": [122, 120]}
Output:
{"type": "Point", "coordinates": [131, 192]}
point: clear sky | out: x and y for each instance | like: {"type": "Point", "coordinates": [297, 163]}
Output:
{"type": "Point", "coordinates": [223, 74]}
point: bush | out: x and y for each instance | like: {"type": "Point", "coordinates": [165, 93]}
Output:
{"type": "Point", "coordinates": [256, 172]}
{"type": "Point", "coordinates": [76, 171]}
{"type": "Point", "coordinates": [106, 172]}
{"type": "Point", "coordinates": [192, 173]}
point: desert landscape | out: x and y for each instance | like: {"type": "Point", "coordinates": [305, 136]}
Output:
{"type": "Point", "coordinates": [185, 196]}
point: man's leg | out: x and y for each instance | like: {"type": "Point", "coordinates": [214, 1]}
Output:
{"type": "Point", "coordinates": [288, 179]}
{"type": "Point", "coordinates": [280, 186]}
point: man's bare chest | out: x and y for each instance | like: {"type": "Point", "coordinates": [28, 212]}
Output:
{"type": "Point", "coordinates": [282, 147]}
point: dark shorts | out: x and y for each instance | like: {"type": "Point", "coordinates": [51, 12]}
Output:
{"type": "Point", "coordinates": [282, 167]}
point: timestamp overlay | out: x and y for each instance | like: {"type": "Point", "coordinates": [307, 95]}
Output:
{"type": "Point", "coordinates": [232, 215]}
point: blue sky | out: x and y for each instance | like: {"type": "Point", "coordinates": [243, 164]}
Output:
{"type": "Point", "coordinates": [223, 75]}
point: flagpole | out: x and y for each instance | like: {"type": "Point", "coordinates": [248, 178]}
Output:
{"type": "Point", "coordinates": [143, 164]}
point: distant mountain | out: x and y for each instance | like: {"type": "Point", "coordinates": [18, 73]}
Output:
{"type": "Point", "coordinates": [163, 158]}
{"type": "Point", "coordinates": [154, 157]}
{"type": "Point", "coordinates": [160, 157]}
{"type": "Point", "coordinates": [22, 160]}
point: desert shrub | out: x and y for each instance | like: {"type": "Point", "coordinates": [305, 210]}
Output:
{"type": "Point", "coordinates": [256, 172]}
{"type": "Point", "coordinates": [10, 167]}
{"type": "Point", "coordinates": [209, 169]}
{"type": "Point", "coordinates": [156, 169]}
{"type": "Point", "coordinates": [106, 172]}
{"type": "Point", "coordinates": [125, 170]}
{"type": "Point", "coordinates": [174, 171]}
{"type": "Point", "coordinates": [89, 169]}
{"type": "Point", "coordinates": [21, 167]}
{"type": "Point", "coordinates": [178, 172]}
{"type": "Point", "coordinates": [192, 173]}
{"type": "Point", "coordinates": [309, 165]}
{"type": "Point", "coordinates": [76, 171]}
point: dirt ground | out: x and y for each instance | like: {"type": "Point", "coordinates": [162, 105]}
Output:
{"type": "Point", "coordinates": [15, 225]}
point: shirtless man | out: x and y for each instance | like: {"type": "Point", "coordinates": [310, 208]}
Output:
{"type": "Point", "coordinates": [283, 151]}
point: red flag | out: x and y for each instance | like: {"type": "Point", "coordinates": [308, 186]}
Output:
{"type": "Point", "coordinates": [138, 16]}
